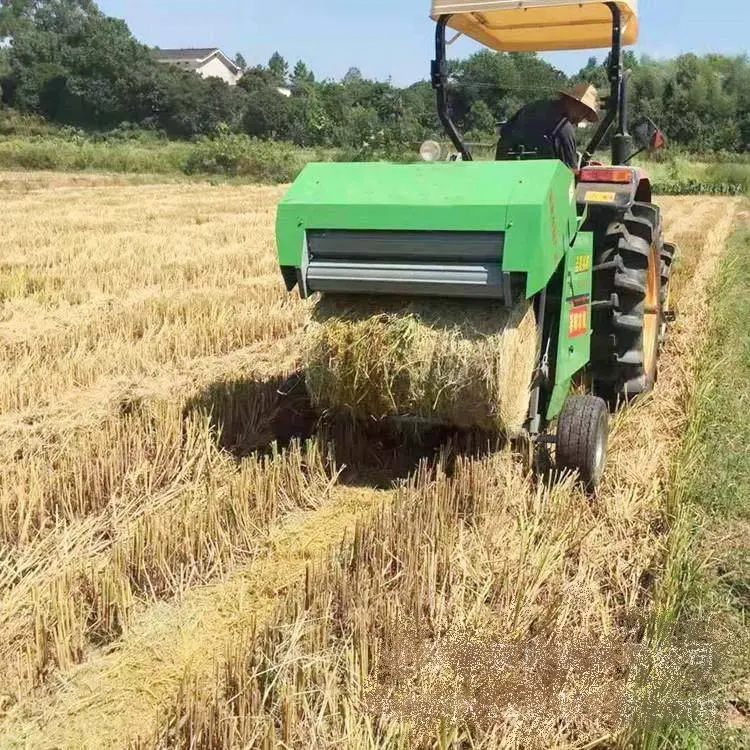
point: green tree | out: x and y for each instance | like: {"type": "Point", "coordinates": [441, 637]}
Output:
{"type": "Point", "coordinates": [308, 122]}
{"type": "Point", "coordinates": [480, 121]}
{"type": "Point", "coordinates": [353, 75]}
{"type": "Point", "coordinates": [190, 106]}
{"type": "Point", "coordinates": [279, 68]}
{"type": "Point", "coordinates": [4, 72]}
{"type": "Point", "coordinates": [595, 73]}
{"type": "Point", "coordinates": [267, 114]}
{"type": "Point", "coordinates": [72, 64]}
{"type": "Point", "coordinates": [254, 79]}
{"type": "Point", "coordinates": [504, 82]}
{"type": "Point", "coordinates": [302, 77]}
{"type": "Point", "coordinates": [630, 60]}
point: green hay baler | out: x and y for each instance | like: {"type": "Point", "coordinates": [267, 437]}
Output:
{"type": "Point", "coordinates": [586, 247]}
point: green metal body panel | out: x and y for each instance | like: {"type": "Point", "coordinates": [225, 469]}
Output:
{"type": "Point", "coordinates": [541, 222]}
{"type": "Point", "coordinates": [532, 202]}
{"type": "Point", "coordinates": [574, 342]}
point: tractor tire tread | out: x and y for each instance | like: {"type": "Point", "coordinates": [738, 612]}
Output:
{"type": "Point", "coordinates": [618, 348]}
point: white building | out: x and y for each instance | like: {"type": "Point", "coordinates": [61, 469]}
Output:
{"type": "Point", "coordinates": [207, 63]}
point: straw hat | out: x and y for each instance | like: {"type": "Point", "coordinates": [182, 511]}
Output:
{"type": "Point", "coordinates": [587, 96]}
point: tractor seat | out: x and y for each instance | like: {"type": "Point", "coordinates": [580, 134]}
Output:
{"type": "Point", "coordinates": [513, 149]}
{"type": "Point", "coordinates": [517, 153]}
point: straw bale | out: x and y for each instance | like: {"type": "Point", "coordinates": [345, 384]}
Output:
{"type": "Point", "coordinates": [466, 364]}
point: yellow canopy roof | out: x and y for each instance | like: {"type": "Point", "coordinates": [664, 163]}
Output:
{"type": "Point", "coordinates": [538, 25]}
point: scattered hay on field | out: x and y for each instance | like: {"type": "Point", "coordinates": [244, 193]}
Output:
{"type": "Point", "coordinates": [462, 364]}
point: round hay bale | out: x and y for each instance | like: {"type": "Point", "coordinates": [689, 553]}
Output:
{"type": "Point", "coordinates": [466, 364]}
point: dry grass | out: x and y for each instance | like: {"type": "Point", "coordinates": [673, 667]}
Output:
{"type": "Point", "coordinates": [165, 574]}
{"type": "Point", "coordinates": [133, 398]}
{"type": "Point", "coordinates": [125, 281]}
{"type": "Point", "coordinates": [465, 366]}
{"type": "Point", "coordinates": [481, 606]}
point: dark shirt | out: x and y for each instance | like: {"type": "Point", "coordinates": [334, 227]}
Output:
{"type": "Point", "coordinates": [543, 127]}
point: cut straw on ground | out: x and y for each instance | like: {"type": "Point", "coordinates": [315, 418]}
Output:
{"type": "Point", "coordinates": [422, 633]}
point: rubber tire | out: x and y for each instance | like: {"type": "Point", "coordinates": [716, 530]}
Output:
{"type": "Point", "coordinates": [582, 438]}
{"type": "Point", "coordinates": [620, 285]}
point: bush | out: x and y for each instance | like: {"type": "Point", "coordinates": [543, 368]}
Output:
{"type": "Point", "coordinates": [380, 146]}
{"type": "Point", "coordinates": [696, 187]}
{"type": "Point", "coordinates": [78, 153]}
{"type": "Point", "coordinates": [13, 123]}
{"type": "Point", "coordinates": [242, 156]}
{"type": "Point", "coordinates": [130, 149]}
{"type": "Point", "coordinates": [730, 174]}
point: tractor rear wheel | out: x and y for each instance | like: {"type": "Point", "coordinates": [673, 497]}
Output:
{"type": "Point", "coordinates": [629, 271]}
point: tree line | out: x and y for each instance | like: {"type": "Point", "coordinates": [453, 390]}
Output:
{"type": "Point", "coordinates": [71, 64]}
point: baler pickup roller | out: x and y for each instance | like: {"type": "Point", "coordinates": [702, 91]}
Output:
{"type": "Point", "coordinates": [436, 264]}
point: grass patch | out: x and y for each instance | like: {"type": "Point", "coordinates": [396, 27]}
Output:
{"type": "Point", "coordinates": [28, 142]}
{"type": "Point", "coordinates": [720, 480]}
{"type": "Point", "coordinates": [225, 156]}
{"type": "Point", "coordinates": [697, 187]}
{"type": "Point", "coordinates": [50, 152]}
{"type": "Point", "coordinates": [708, 573]}
{"type": "Point", "coordinates": [677, 173]}
{"type": "Point", "coordinates": [242, 156]}
{"type": "Point", "coordinates": [730, 174]}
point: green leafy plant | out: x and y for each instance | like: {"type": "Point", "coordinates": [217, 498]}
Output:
{"type": "Point", "coordinates": [241, 156]}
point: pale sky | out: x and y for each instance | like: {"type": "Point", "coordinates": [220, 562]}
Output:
{"type": "Point", "coordinates": [334, 35]}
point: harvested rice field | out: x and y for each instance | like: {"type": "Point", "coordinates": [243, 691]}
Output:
{"type": "Point", "coordinates": [188, 561]}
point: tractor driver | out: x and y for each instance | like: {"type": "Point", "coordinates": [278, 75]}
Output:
{"type": "Point", "coordinates": [547, 128]}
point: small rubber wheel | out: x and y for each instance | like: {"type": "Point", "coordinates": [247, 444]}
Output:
{"type": "Point", "coordinates": [582, 437]}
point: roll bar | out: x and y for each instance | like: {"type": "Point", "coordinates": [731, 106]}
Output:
{"type": "Point", "coordinates": [440, 84]}
{"type": "Point", "coordinates": [617, 102]}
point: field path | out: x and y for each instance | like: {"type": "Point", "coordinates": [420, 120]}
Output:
{"type": "Point", "coordinates": [116, 693]}
{"type": "Point", "coordinates": [120, 690]}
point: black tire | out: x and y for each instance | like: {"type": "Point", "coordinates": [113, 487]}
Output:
{"type": "Point", "coordinates": [582, 438]}
{"type": "Point", "coordinates": [629, 268]}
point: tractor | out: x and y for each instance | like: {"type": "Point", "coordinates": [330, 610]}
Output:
{"type": "Point", "coordinates": [585, 246]}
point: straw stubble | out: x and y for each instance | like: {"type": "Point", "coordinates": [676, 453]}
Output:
{"type": "Point", "coordinates": [154, 571]}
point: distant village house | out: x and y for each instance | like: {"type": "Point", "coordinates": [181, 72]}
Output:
{"type": "Point", "coordinates": [209, 62]}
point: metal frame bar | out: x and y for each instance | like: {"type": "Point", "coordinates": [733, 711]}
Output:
{"type": "Point", "coordinates": [466, 265]}
{"type": "Point", "coordinates": [617, 102]}
{"type": "Point", "coordinates": [440, 84]}
{"type": "Point", "coordinates": [536, 421]}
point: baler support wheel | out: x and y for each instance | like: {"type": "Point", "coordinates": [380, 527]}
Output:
{"type": "Point", "coordinates": [582, 438]}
